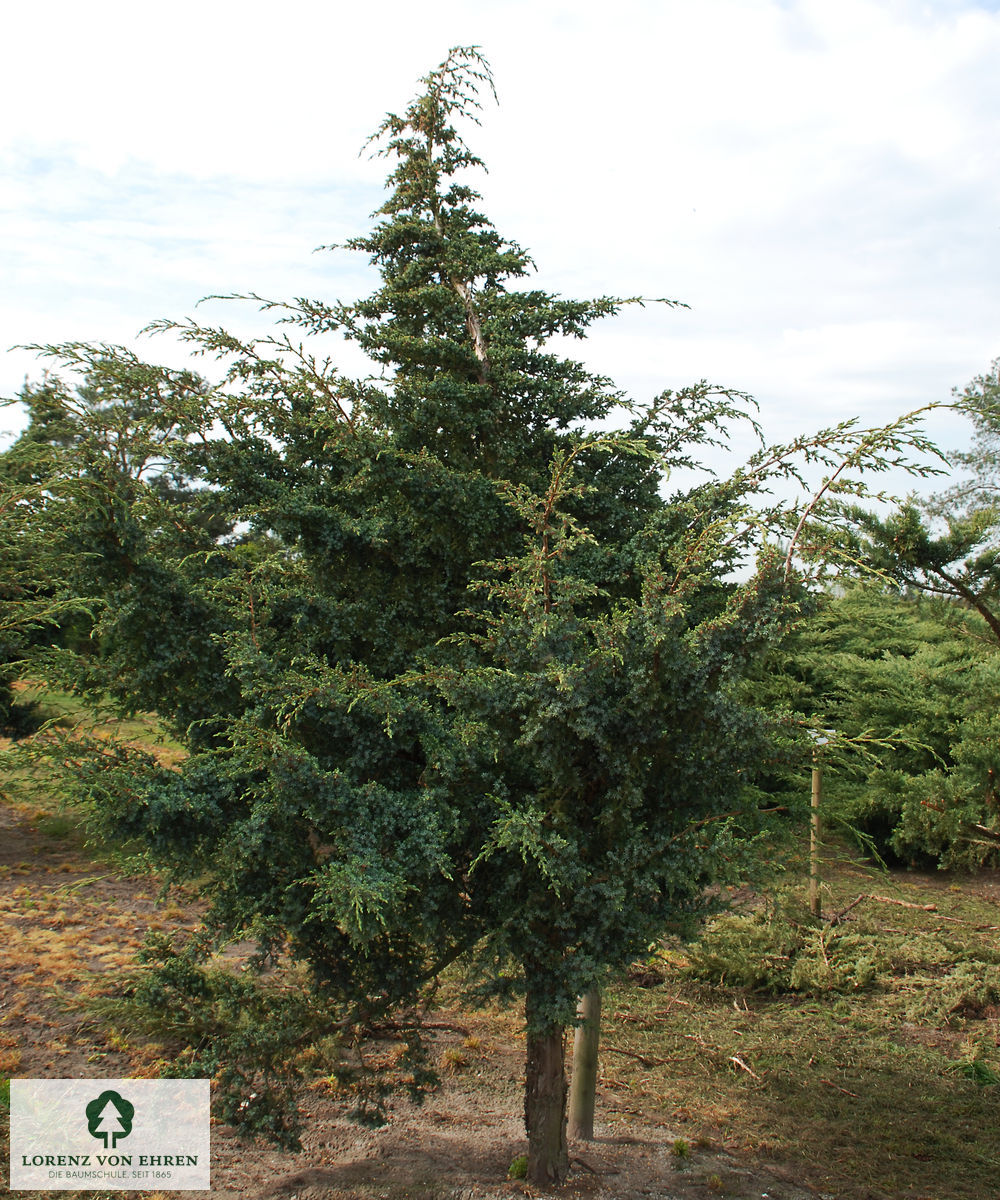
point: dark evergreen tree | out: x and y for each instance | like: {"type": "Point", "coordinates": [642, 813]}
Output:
{"type": "Point", "coordinates": [36, 602]}
{"type": "Point", "coordinates": [458, 680]}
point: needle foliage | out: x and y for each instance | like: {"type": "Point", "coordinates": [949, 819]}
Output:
{"type": "Point", "coordinates": [457, 676]}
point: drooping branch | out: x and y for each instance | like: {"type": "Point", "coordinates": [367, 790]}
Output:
{"type": "Point", "coordinates": [971, 598]}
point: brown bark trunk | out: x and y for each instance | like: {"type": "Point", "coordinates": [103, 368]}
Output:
{"type": "Point", "coordinates": [545, 1102]}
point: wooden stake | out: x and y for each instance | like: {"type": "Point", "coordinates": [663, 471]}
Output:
{"type": "Point", "coordinates": [815, 903]}
{"type": "Point", "coordinates": [583, 1085]}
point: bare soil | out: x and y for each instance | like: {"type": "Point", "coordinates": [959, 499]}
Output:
{"type": "Point", "coordinates": [69, 925]}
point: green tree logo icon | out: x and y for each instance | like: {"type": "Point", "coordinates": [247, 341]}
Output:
{"type": "Point", "coordinates": [110, 1116]}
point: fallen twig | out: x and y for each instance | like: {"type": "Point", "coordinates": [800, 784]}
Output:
{"type": "Point", "coordinates": [447, 1026]}
{"type": "Point", "coordinates": [645, 1059]}
{"type": "Point", "coordinates": [837, 1088]}
{"type": "Point", "coordinates": [735, 1058]}
{"type": "Point", "coordinates": [904, 903]}
{"type": "Point", "coordinates": [396, 1028]}
{"type": "Point", "coordinates": [838, 917]}
{"type": "Point", "coordinates": [665, 1012]}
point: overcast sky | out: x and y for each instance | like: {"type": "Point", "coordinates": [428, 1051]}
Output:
{"type": "Point", "coordinates": [820, 181]}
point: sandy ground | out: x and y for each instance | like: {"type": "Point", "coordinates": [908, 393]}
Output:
{"type": "Point", "coordinates": [68, 924]}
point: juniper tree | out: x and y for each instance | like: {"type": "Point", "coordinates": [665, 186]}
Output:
{"type": "Point", "coordinates": [947, 545]}
{"type": "Point", "coordinates": [980, 401]}
{"type": "Point", "coordinates": [600, 753]}
{"type": "Point", "coordinates": [953, 555]}
{"type": "Point", "coordinates": [461, 681]}
{"type": "Point", "coordinates": [120, 518]}
{"type": "Point", "coordinates": [36, 600]}
{"type": "Point", "coordinates": [921, 662]}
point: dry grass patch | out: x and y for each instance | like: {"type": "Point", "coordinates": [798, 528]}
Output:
{"type": "Point", "coordinates": [883, 1086]}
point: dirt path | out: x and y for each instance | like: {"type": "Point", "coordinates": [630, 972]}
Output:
{"type": "Point", "coordinates": [69, 925]}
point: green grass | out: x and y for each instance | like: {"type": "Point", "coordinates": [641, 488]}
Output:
{"type": "Point", "coordinates": [67, 711]}
{"type": "Point", "coordinates": [36, 773]}
{"type": "Point", "coordinates": [884, 1090]}
{"type": "Point", "coordinates": [55, 826]}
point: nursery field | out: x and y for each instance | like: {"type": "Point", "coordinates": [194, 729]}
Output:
{"type": "Point", "coordinates": [858, 1059]}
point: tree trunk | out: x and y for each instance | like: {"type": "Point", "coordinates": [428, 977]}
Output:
{"type": "Point", "coordinates": [583, 1086]}
{"type": "Point", "coordinates": [545, 1101]}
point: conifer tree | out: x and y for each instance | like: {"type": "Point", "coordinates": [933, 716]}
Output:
{"type": "Point", "coordinates": [948, 545]}
{"type": "Point", "coordinates": [460, 681]}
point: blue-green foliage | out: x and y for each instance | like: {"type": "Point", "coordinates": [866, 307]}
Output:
{"type": "Point", "coordinates": [455, 677]}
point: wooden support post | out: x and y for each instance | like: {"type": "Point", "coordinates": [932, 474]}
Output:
{"type": "Point", "coordinates": [583, 1084]}
{"type": "Point", "coordinates": [815, 902]}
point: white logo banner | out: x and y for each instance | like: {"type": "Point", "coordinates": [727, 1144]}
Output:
{"type": "Point", "coordinates": [125, 1134]}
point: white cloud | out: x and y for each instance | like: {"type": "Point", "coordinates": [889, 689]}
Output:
{"type": "Point", "coordinates": [817, 180]}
